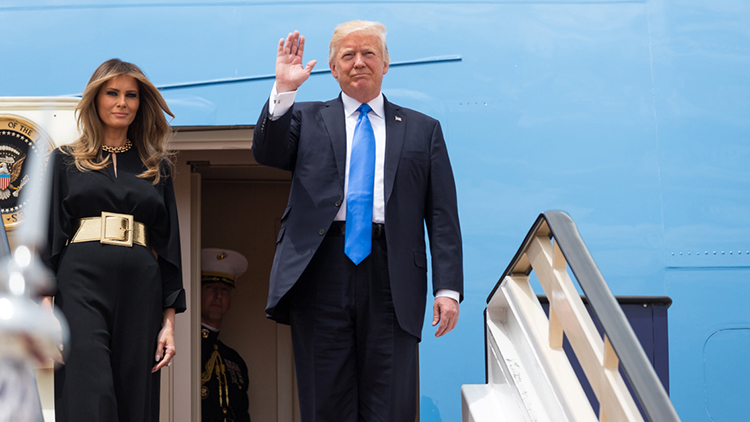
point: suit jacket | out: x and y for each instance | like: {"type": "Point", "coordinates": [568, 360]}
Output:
{"type": "Point", "coordinates": [310, 141]}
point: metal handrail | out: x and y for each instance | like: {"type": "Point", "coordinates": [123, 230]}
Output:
{"type": "Point", "coordinates": [635, 364]}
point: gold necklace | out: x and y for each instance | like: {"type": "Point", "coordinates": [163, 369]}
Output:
{"type": "Point", "coordinates": [119, 149]}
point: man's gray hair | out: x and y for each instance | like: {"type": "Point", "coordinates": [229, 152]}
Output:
{"type": "Point", "coordinates": [346, 28]}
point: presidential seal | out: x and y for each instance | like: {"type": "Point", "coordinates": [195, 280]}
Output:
{"type": "Point", "coordinates": [18, 139]}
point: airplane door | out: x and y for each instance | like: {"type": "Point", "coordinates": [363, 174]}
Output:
{"type": "Point", "coordinates": [236, 204]}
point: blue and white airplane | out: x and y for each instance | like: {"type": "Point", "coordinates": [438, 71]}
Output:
{"type": "Point", "coordinates": [632, 116]}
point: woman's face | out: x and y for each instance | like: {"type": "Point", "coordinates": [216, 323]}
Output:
{"type": "Point", "coordinates": [117, 102]}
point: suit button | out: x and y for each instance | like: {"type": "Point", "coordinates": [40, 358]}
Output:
{"type": "Point", "coordinates": [321, 232]}
{"type": "Point", "coordinates": [338, 203]}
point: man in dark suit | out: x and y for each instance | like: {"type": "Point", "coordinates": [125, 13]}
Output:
{"type": "Point", "coordinates": [349, 273]}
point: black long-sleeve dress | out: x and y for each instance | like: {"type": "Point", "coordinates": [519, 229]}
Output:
{"type": "Point", "coordinates": [112, 296]}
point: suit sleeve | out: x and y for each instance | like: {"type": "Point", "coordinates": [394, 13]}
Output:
{"type": "Point", "coordinates": [275, 141]}
{"type": "Point", "coordinates": [441, 217]}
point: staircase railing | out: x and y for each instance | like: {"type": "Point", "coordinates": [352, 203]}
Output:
{"type": "Point", "coordinates": [526, 364]}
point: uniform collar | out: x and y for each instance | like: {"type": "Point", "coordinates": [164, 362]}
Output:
{"type": "Point", "coordinates": [209, 333]}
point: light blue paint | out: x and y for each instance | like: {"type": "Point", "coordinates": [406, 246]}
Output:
{"type": "Point", "coordinates": [725, 357]}
{"type": "Point", "coordinates": [632, 116]}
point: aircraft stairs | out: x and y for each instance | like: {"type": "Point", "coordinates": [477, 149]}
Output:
{"type": "Point", "coordinates": [529, 376]}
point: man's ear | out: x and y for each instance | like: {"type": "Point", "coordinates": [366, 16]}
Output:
{"type": "Point", "coordinates": [333, 70]}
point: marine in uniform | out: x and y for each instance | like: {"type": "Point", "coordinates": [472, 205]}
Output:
{"type": "Point", "coordinates": [224, 377]}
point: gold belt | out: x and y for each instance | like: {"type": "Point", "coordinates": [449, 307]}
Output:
{"type": "Point", "coordinates": [112, 229]}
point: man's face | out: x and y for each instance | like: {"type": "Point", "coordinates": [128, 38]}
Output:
{"type": "Point", "coordinates": [359, 66]}
{"type": "Point", "coordinates": [216, 299]}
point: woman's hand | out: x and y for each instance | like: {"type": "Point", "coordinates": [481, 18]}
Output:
{"type": "Point", "coordinates": [47, 305]}
{"type": "Point", "coordinates": [165, 349]}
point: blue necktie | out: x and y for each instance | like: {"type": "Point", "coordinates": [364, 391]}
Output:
{"type": "Point", "coordinates": [358, 233]}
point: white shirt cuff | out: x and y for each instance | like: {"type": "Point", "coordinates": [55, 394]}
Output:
{"type": "Point", "coordinates": [448, 293]}
{"type": "Point", "coordinates": [279, 104]}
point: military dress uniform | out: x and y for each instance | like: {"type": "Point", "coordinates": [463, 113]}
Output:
{"type": "Point", "coordinates": [224, 377]}
{"type": "Point", "coordinates": [223, 381]}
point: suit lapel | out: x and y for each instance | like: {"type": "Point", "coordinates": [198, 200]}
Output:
{"type": "Point", "coordinates": [333, 117]}
{"type": "Point", "coordinates": [395, 130]}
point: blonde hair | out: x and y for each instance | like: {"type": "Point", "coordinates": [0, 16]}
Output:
{"type": "Point", "coordinates": [346, 28]}
{"type": "Point", "coordinates": [150, 132]}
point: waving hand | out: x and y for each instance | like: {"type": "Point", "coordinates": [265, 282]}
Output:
{"type": "Point", "coordinates": [289, 71]}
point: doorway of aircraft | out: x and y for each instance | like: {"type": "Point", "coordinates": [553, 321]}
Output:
{"type": "Point", "coordinates": [226, 200]}
{"type": "Point", "coordinates": [236, 204]}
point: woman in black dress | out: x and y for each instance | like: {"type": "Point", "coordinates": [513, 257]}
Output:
{"type": "Point", "coordinates": [114, 247]}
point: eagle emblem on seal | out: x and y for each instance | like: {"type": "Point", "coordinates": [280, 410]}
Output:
{"type": "Point", "coordinates": [20, 139]}
{"type": "Point", "coordinates": [10, 169]}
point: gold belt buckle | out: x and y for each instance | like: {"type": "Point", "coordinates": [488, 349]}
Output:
{"type": "Point", "coordinates": [117, 229]}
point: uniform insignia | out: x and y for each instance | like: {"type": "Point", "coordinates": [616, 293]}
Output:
{"type": "Point", "coordinates": [204, 392]}
{"type": "Point", "coordinates": [221, 256]}
{"type": "Point", "coordinates": [234, 371]}
{"type": "Point", "coordinates": [204, 333]}
{"type": "Point", "coordinates": [18, 138]}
